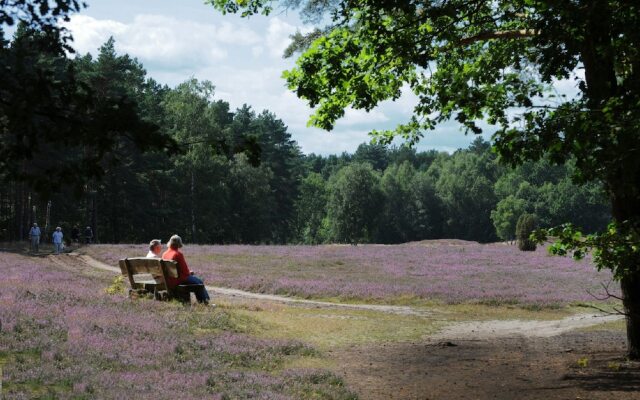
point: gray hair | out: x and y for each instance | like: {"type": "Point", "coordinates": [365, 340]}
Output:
{"type": "Point", "coordinates": [154, 243]}
{"type": "Point", "coordinates": [175, 241]}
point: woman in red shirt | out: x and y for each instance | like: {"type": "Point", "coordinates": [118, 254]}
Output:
{"type": "Point", "coordinates": [185, 276]}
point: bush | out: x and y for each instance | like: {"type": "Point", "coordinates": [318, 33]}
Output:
{"type": "Point", "coordinates": [525, 226]}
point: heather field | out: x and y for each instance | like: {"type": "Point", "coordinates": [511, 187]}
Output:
{"type": "Point", "coordinates": [447, 271]}
{"type": "Point", "coordinates": [63, 336]}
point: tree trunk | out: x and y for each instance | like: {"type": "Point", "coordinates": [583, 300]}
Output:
{"type": "Point", "coordinates": [94, 216]}
{"type": "Point", "coordinates": [631, 300]}
{"type": "Point", "coordinates": [622, 183]}
{"type": "Point", "coordinates": [193, 207]}
{"type": "Point", "coordinates": [115, 223]}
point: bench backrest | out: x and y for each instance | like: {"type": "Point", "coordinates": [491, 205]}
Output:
{"type": "Point", "coordinates": [142, 269]}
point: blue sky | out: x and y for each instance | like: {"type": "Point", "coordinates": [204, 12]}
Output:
{"type": "Point", "coordinates": [176, 40]}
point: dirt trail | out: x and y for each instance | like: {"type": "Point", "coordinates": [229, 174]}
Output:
{"type": "Point", "coordinates": [511, 328]}
{"type": "Point", "coordinates": [462, 330]}
{"type": "Point", "coordinates": [402, 310]}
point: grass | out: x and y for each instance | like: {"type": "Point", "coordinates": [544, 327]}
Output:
{"type": "Point", "coordinates": [618, 326]}
{"type": "Point", "coordinates": [63, 336]}
{"type": "Point", "coordinates": [330, 328]}
{"type": "Point", "coordinates": [417, 274]}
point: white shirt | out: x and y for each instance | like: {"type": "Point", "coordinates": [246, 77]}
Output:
{"type": "Point", "coordinates": [151, 254]}
{"type": "Point", "coordinates": [57, 237]}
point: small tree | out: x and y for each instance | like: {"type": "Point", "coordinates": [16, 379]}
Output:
{"type": "Point", "coordinates": [355, 204]}
{"type": "Point", "coordinates": [524, 228]}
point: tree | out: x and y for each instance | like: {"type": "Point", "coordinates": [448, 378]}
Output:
{"type": "Point", "coordinates": [53, 128]}
{"type": "Point", "coordinates": [281, 155]}
{"type": "Point", "coordinates": [524, 228]}
{"type": "Point", "coordinates": [354, 204]}
{"type": "Point", "coordinates": [398, 214]}
{"type": "Point", "coordinates": [119, 88]}
{"type": "Point", "coordinates": [505, 216]}
{"type": "Point", "coordinates": [311, 209]}
{"type": "Point", "coordinates": [477, 59]}
{"type": "Point", "coordinates": [465, 186]}
{"type": "Point", "coordinates": [428, 208]}
{"type": "Point", "coordinates": [252, 201]}
{"type": "Point", "coordinates": [192, 119]}
{"type": "Point", "coordinates": [374, 154]}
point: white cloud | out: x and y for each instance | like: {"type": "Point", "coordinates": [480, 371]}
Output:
{"type": "Point", "coordinates": [162, 41]}
{"type": "Point", "coordinates": [335, 142]}
{"type": "Point", "coordinates": [257, 51]}
{"type": "Point", "coordinates": [244, 61]}
{"type": "Point", "coordinates": [278, 34]}
{"type": "Point", "coordinates": [358, 117]}
{"type": "Point", "coordinates": [89, 33]}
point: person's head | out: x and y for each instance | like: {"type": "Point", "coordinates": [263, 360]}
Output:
{"type": "Point", "coordinates": [175, 242]}
{"type": "Point", "coordinates": [58, 229]}
{"type": "Point", "coordinates": [155, 246]}
{"type": "Point", "coordinates": [35, 224]}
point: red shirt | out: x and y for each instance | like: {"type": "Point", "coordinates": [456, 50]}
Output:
{"type": "Point", "coordinates": [183, 269]}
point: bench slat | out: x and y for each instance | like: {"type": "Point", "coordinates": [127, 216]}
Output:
{"type": "Point", "coordinates": [171, 268]}
{"type": "Point", "coordinates": [150, 274]}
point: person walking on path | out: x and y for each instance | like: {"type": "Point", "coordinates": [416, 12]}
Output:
{"type": "Point", "coordinates": [34, 236]}
{"type": "Point", "coordinates": [56, 238]}
{"type": "Point", "coordinates": [88, 235]}
{"type": "Point", "coordinates": [185, 276]}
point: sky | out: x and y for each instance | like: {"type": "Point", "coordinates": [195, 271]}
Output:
{"type": "Point", "coordinates": [242, 57]}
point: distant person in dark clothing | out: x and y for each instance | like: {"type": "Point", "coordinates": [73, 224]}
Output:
{"type": "Point", "coordinates": [34, 236]}
{"type": "Point", "coordinates": [185, 276]}
{"type": "Point", "coordinates": [88, 235]}
{"type": "Point", "coordinates": [75, 234]}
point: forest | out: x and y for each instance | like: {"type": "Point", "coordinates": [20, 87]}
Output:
{"type": "Point", "coordinates": [196, 167]}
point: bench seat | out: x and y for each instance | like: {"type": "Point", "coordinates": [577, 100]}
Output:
{"type": "Point", "coordinates": [149, 276]}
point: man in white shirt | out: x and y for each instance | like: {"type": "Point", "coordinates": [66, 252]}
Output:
{"type": "Point", "coordinates": [155, 248]}
{"type": "Point", "coordinates": [56, 238]}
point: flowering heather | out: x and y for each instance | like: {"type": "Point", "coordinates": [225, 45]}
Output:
{"type": "Point", "coordinates": [452, 271]}
{"type": "Point", "coordinates": [62, 336]}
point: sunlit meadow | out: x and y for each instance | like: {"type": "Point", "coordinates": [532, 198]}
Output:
{"type": "Point", "coordinates": [449, 271]}
{"type": "Point", "coordinates": [63, 336]}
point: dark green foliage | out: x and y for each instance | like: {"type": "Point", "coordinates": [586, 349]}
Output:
{"type": "Point", "coordinates": [311, 209]}
{"type": "Point", "coordinates": [524, 228]}
{"type": "Point", "coordinates": [240, 178]}
{"type": "Point", "coordinates": [355, 204]}
{"type": "Point", "coordinates": [57, 125]}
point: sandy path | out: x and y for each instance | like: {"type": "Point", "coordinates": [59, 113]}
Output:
{"type": "Point", "coordinates": [402, 310]}
{"type": "Point", "coordinates": [527, 328]}
{"type": "Point", "coordinates": [462, 330]}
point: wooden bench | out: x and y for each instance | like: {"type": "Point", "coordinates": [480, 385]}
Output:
{"type": "Point", "coordinates": [149, 276]}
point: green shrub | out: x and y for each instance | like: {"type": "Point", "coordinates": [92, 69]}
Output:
{"type": "Point", "coordinates": [525, 226]}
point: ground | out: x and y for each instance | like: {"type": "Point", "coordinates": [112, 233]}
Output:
{"type": "Point", "coordinates": [503, 368]}
{"type": "Point", "coordinates": [423, 350]}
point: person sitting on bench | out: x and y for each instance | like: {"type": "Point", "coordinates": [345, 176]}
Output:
{"type": "Point", "coordinates": [155, 249]}
{"type": "Point", "coordinates": [185, 276]}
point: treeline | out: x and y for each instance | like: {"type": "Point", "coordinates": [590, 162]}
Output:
{"type": "Point", "coordinates": [398, 195]}
{"type": "Point", "coordinates": [236, 176]}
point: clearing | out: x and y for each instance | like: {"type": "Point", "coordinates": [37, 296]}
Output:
{"type": "Point", "coordinates": [327, 346]}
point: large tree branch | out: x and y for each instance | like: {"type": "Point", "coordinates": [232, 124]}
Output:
{"type": "Point", "coordinates": [500, 35]}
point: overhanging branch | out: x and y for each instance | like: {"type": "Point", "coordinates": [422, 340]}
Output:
{"type": "Point", "coordinates": [500, 35]}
